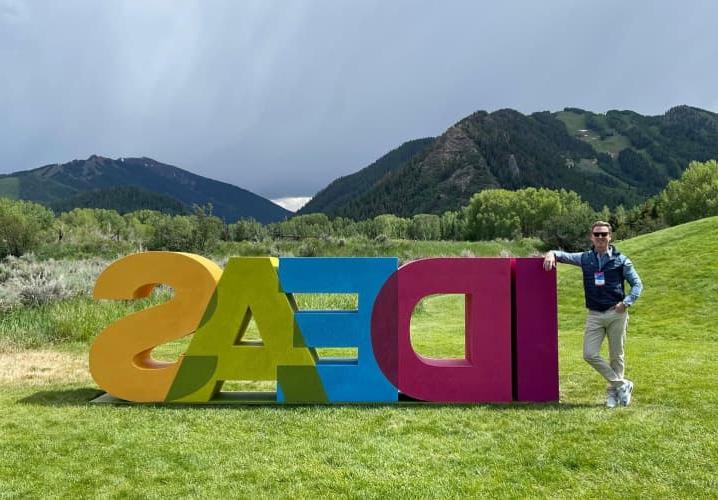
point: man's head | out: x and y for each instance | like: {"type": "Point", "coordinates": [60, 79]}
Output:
{"type": "Point", "coordinates": [601, 235]}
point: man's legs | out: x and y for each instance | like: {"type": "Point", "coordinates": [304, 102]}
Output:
{"type": "Point", "coordinates": [616, 332]}
{"type": "Point", "coordinates": [597, 327]}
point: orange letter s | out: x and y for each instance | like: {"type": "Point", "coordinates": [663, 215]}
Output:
{"type": "Point", "coordinates": [120, 357]}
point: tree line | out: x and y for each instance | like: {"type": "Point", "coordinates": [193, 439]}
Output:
{"type": "Point", "coordinates": [559, 218]}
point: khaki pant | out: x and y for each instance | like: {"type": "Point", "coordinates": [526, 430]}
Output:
{"type": "Point", "coordinates": [611, 324]}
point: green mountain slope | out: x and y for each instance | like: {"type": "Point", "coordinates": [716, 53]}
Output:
{"type": "Point", "coordinates": [621, 157]}
{"type": "Point", "coordinates": [123, 199]}
{"type": "Point", "coordinates": [647, 151]}
{"type": "Point", "coordinates": [344, 189]}
{"type": "Point", "coordinates": [54, 183]}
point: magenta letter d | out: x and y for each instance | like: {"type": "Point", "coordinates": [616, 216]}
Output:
{"type": "Point", "coordinates": [484, 375]}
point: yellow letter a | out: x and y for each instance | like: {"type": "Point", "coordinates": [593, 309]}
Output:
{"type": "Point", "coordinates": [249, 287]}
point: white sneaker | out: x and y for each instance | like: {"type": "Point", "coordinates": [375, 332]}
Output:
{"type": "Point", "coordinates": [625, 392]}
{"type": "Point", "coordinates": [611, 398]}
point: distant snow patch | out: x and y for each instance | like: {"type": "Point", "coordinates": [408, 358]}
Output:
{"type": "Point", "coordinates": [292, 203]}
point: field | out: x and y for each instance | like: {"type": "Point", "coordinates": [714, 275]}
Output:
{"type": "Point", "coordinates": [55, 443]}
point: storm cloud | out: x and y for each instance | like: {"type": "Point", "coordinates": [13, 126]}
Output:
{"type": "Point", "coordinates": [281, 97]}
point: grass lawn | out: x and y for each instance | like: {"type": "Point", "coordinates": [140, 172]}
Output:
{"type": "Point", "coordinates": [54, 443]}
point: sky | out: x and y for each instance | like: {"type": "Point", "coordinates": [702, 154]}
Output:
{"type": "Point", "coordinates": [282, 97]}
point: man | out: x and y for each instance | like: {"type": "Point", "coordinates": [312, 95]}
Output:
{"type": "Point", "coordinates": [604, 271]}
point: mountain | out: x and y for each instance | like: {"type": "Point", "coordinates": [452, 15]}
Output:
{"type": "Point", "coordinates": [620, 157]}
{"type": "Point", "coordinates": [123, 199]}
{"type": "Point", "coordinates": [58, 184]}
{"type": "Point", "coordinates": [344, 189]}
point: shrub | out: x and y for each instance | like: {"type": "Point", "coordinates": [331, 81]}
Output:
{"type": "Point", "coordinates": [693, 196]}
{"type": "Point", "coordinates": [22, 226]}
{"type": "Point", "coordinates": [173, 233]}
{"type": "Point", "coordinates": [499, 213]}
{"type": "Point", "coordinates": [42, 289]}
{"type": "Point", "coordinates": [28, 282]}
{"type": "Point", "coordinates": [390, 226]}
{"type": "Point", "coordinates": [309, 248]}
{"type": "Point", "coordinates": [207, 230]}
{"type": "Point", "coordinates": [569, 231]}
{"type": "Point", "coordinates": [248, 230]}
{"type": "Point", "coordinates": [425, 227]}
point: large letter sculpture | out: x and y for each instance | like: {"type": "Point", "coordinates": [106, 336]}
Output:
{"type": "Point", "coordinates": [357, 380]}
{"type": "Point", "coordinates": [535, 332]}
{"type": "Point", "coordinates": [484, 374]}
{"type": "Point", "coordinates": [120, 358]}
{"type": "Point", "coordinates": [511, 350]}
{"type": "Point", "coordinates": [249, 288]}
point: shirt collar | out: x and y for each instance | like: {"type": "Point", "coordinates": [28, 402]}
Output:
{"type": "Point", "coordinates": [609, 252]}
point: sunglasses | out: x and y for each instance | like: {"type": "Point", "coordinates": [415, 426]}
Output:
{"type": "Point", "coordinates": [600, 235]}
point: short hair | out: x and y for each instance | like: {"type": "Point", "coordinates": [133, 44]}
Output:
{"type": "Point", "coordinates": [602, 223]}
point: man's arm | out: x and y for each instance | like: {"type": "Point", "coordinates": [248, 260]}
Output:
{"type": "Point", "coordinates": [629, 272]}
{"type": "Point", "coordinates": [553, 256]}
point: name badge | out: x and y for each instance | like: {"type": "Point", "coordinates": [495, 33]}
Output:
{"type": "Point", "coordinates": [599, 279]}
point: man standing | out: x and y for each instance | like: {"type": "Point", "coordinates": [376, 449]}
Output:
{"type": "Point", "coordinates": [604, 271]}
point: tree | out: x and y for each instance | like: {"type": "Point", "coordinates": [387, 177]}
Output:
{"type": "Point", "coordinates": [23, 224]}
{"type": "Point", "coordinates": [425, 227]}
{"type": "Point", "coordinates": [619, 221]}
{"type": "Point", "coordinates": [693, 196]}
{"type": "Point", "coordinates": [313, 225]}
{"type": "Point", "coordinates": [341, 226]}
{"type": "Point", "coordinates": [391, 226]}
{"type": "Point", "coordinates": [173, 233]}
{"type": "Point", "coordinates": [92, 224]}
{"type": "Point", "coordinates": [490, 215]}
{"type": "Point", "coordinates": [636, 167]}
{"type": "Point", "coordinates": [642, 219]}
{"type": "Point", "coordinates": [248, 230]}
{"type": "Point", "coordinates": [207, 230]}
{"type": "Point", "coordinates": [569, 231]}
{"type": "Point", "coordinates": [499, 213]}
{"type": "Point", "coordinates": [453, 225]}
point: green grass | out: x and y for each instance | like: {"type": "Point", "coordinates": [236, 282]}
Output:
{"type": "Point", "coordinates": [56, 444]}
{"type": "Point", "coordinates": [75, 321]}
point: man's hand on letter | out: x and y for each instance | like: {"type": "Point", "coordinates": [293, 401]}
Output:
{"type": "Point", "coordinates": [549, 261]}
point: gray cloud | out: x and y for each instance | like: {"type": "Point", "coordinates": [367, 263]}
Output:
{"type": "Point", "coordinates": [282, 97]}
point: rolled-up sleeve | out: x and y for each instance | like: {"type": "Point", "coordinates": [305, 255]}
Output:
{"type": "Point", "coordinates": [629, 272]}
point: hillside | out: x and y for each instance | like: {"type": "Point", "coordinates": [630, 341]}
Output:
{"type": "Point", "coordinates": [342, 190]}
{"type": "Point", "coordinates": [123, 199]}
{"type": "Point", "coordinates": [620, 157]}
{"type": "Point", "coordinates": [55, 184]}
